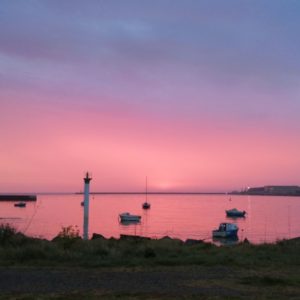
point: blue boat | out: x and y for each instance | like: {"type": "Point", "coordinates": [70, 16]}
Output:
{"type": "Point", "coordinates": [235, 213]}
{"type": "Point", "coordinates": [127, 217]}
{"type": "Point", "coordinates": [226, 230]}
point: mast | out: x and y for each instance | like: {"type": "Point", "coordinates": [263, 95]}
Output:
{"type": "Point", "coordinates": [146, 205]}
{"type": "Point", "coordinates": [146, 190]}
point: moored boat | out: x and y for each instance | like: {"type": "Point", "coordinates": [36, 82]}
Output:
{"type": "Point", "coordinates": [146, 204]}
{"type": "Point", "coordinates": [20, 204]}
{"type": "Point", "coordinates": [127, 217]}
{"type": "Point", "coordinates": [226, 230]}
{"type": "Point", "coordinates": [235, 213]}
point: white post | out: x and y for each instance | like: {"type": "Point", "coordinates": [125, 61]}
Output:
{"type": "Point", "coordinates": [87, 180]}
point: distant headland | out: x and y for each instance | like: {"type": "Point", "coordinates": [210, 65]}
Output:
{"type": "Point", "coordinates": [271, 190]}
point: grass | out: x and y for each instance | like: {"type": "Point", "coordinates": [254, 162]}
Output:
{"type": "Point", "coordinates": [267, 271]}
{"type": "Point", "coordinates": [70, 250]}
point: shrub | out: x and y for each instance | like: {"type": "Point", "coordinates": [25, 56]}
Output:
{"type": "Point", "coordinates": [67, 237]}
{"type": "Point", "coordinates": [6, 233]}
{"type": "Point", "coordinates": [149, 252]}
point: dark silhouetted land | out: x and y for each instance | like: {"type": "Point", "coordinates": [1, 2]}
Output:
{"type": "Point", "coordinates": [140, 268]}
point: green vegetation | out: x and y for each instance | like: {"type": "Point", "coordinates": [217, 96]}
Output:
{"type": "Point", "coordinates": [273, 270]}
{"type": "Point", "coordinates": [70, 250]}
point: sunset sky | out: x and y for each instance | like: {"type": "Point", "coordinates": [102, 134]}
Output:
{"type": "Point", "coordinates": [196, 95]}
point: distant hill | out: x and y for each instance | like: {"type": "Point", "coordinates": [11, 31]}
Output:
{"type": "Point", "coordinates": [274, 190]}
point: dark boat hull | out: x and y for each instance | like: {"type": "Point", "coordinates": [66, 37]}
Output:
{"type": "Point", "coordinates": [234, 213]}
{"type": "Point", "coordinates": [146, 205]}
{"type": "Point", "coordinates": [21, 204]}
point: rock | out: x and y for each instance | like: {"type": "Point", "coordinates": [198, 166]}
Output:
{"type": "Point", "coordinates": [191, 242]}
{"type": "Point", "coordinates": [98, 236]}
{"type": "Point", "coordinates": [133, 237]}
{"type": "Point", "coordinates": [166, 238]}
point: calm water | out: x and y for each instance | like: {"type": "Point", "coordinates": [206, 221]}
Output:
{"type": "Point", "coordinates": [182, 216]}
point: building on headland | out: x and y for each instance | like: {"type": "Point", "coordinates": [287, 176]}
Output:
{"type": "Point", "coordinates": [275, 190]}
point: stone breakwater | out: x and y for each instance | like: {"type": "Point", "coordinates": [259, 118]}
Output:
{"type": "Point", "coordinates": [11, 197]}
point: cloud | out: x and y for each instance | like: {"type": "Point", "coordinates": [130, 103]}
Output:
{"type": "Point", "coordinates": [198, 57]}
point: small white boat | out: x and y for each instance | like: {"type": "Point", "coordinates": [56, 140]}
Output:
{"type": "Point", "coordinates": [127, 217]}
{"type": "Point", "coordinates": [235, 213]}
{"type": "Point", "coordinates": [226, 230]}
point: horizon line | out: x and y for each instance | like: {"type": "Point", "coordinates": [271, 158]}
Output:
{"type": "Point", "coordinates": [112, 193]}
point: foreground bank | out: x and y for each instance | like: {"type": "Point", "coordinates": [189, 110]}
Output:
{"type": "Point", "coordinates": [135, 268]}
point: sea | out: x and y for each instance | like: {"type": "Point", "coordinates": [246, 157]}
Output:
{"type": "Point", "coordinates": [183, 216]}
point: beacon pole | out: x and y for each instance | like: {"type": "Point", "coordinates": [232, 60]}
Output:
{"type": "Point", "coordinates": [87, 180]}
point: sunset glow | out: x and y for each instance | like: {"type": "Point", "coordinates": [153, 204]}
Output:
{"type": "Point", "coordinates": [196, 95]}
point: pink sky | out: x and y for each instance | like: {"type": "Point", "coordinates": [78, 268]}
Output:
{"type": "Point", "coordinates": [188, 100]}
